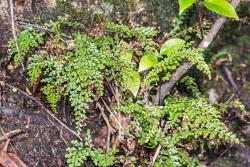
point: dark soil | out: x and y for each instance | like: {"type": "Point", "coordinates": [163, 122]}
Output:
{"type": "Point", "coordinates": [43, 141]}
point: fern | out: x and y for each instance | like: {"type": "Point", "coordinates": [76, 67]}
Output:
{"type": "Point", "coordinates": [78, 154]}
{"type": "Point", "coordinates": [80, 72]}
{"type": "Point", "coordinates": [191, 85]}
{"type": "Point", "coordinates": [173, 60]}
{"type": "Point", "coordinates": [141, 33]}
{"type": "Point", "coordinates": [174, 157]}
{"type": "Point", "coordinates": [26, 40]}
{"type": "Point", "coordinates": [36, 66]}
{"type": "Point", "coordinates": [103, 159]}
{"type": "Point", "coordinates": [53, 95]}
{"type": "Point", "coordinates": [187, 121]}
{"type": "Point", "coordinates": [189, 114]}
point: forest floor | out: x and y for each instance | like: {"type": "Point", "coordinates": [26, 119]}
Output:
{"type": "Point", "coordinates": [43, 141]}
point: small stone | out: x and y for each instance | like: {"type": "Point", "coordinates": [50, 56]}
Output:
{"type": "Point", "coordinates": [14, 90]}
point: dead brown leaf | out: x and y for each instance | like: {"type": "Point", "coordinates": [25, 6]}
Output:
{"type": "Point", "coordinates": [122, 119]}
{"type": "Point", "coordinates": [100, 138]}
{"type": "Point", "coordinates": [10, 160]}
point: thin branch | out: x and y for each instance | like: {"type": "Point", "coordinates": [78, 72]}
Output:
{"type": "Point", "coordinates": [59, 130]}
{"type": "Point", "coordinates": [5, 146]}
{"type": "Point", "coordinates": [10, 134]}
{"type": "Point", "coordinates": [43, 28]}
{"type": "Point", "coordinates": [166, 87]}
{"type": "Point", "coordinates": [221, 155]}
{"type": "Point", "coordinates": [47, 110]}
{"type": "Point", "coordinates": [14, 28]}
{"type": "Point", "coordinates": [112, 115]}
{"type": "Point", "coordinates": [229, 77]}
{"type": "Point", "coordinates": [110, 129]}
{"type": "Point", "coordinates": [157, 152]}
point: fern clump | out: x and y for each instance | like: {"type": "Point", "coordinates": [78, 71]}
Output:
{"type": "Point", "coordinates": [141, 33]}
{"type": "Point", "coordinates": [79, 152]}
{"type": "Point", "coordinates": [191, 85]}
{"type": "Point", "coordinates": [76, 74]}
{"type": "Point", "coordinates": [78, 69]}
{"type": "Point", "coordinates": [174, 157]}
{"type": "Point", "coordinates": [198, 120]}
{"type": "Point", "coordinates": [26, 40]}
{"type": "Point", "coordinates": [169, 63]}
{"type": "Point", "coordinates": [177, 127]}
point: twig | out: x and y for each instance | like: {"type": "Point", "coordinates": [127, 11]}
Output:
{"type": "Point", "coordinates": [157, 152]}
{"type": "Point", "coordinates": [166, 87]}
{"type": "Point", "coordinates": [13, 28]}
{"type": "Point", "coordinates": [42, 28]}
{"type": "Point", "coordinates": [229, 77]}
{"type": "Point", "coordinates": [61, 136]}
{"type": "Point", "coordinates": [231, 97]}
{"type": "Point", "coordinates": [10, 134]}
{"type": "Point", "coordinates": [110, 129]}
{"type": "Point", "coordinates": [221, 155]}
{"type": "Point", "coordinates": [104, 116]}
{"type": "Point", "coordinates": [5, 146]}
{"type": "Point", "coordinates": [114, 92]}
{"type": "Point", "coordinates": [111, 114]}
{"type": "Point", "coordinates": [47, 110]}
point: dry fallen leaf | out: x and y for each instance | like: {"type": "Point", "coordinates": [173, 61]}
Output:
{"type": "Point", "coordinates": [10, 160]}
{"type": "Point", "coordinates": [122, 119]}
{"type": "Point", "coordinates": [101, 137]}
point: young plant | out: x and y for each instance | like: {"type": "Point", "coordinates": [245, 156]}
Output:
{"type": "Point", "coordinates": [26, 40]}
{"type": "Point", "coordinates": [79, 153]}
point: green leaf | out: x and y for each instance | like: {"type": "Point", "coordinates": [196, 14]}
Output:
{"type": "Point", "coordinates": [147, 61]}
{"type": "Point", "coordinates": [171, 45]}
{"type": "Point", "coordinates": [184, 4]}
{"type": "Point", "coordinates": [221, 7]}
{"type": "Point", "coordinates": [132, 82]}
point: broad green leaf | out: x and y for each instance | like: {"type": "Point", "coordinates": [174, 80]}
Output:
{"type": "Point", "coordinates": [132, 82]}
{"type": "Point", "coordinates": [171, 45]}
{"type": "Point", "coordinates": [184, 4]}
{"type": "Point", "coordinates": [147, 61]}
{"type": "Point", "coordinates": [221, 7]}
